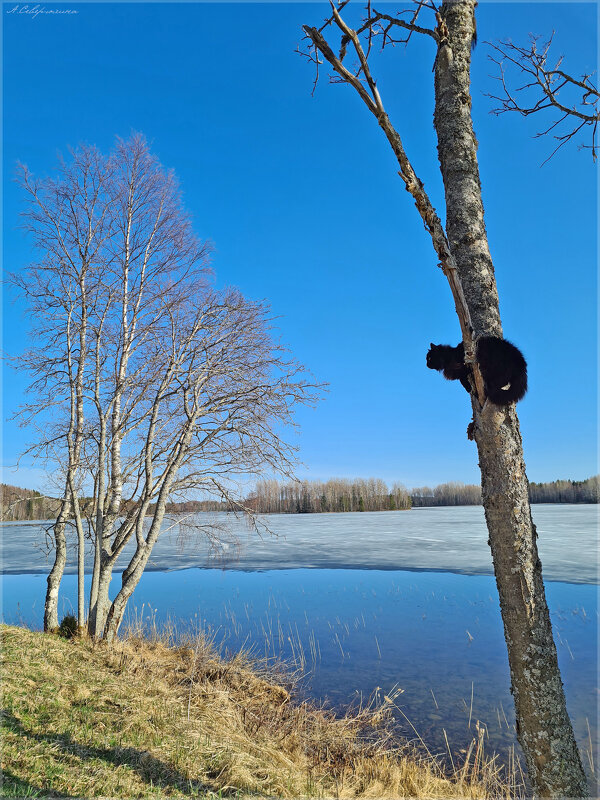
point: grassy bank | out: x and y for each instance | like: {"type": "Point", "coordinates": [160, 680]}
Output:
{"type": "Point", "coordinates": [146, 719]}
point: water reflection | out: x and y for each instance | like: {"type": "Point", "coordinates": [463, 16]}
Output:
{"type": "Point", "coordinates": [437, 637]}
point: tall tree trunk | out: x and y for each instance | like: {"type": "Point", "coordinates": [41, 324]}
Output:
{"type": "Point", "coordinates": [543, 726]}
{"type": "Point", "coordinates": [129, 580]}
{"type": "Point", "coordinates": [135, 569]}
{"type": "Point", "coordinates": [99, 481]}
{"type": "Point", "coordinates": [99, 610]}
{"type": "Point", "coordinates": [80, 555]}
{"type": "Point", "coordinates": [58, 568]}
{"type": "Point", "coordinates": [79, 425]}
{"type": "Point", "coordinates": [80, 568]}
{"type": "Point", "coordinates": [96, 567]}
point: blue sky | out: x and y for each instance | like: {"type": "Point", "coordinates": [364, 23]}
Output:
{"type": "Point", "coordinates": [301, 199]}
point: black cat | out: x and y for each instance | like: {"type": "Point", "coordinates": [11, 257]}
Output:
{"type": "Point", "coordinates": [503, 368]}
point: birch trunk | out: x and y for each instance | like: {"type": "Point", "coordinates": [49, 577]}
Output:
{"type": "Point", "coordinates": [129, 580]}
{"type": "Point", "coordinates": [100, 475]}
{"type": "Point", "coordinates": [99, 610]}
{"type": "Point", "coordinates": [79, 424]}
{"type": "Point", "coordinates": [58, 568]}
{"type": "Point", "coordinates": [543, 726]}
{"type": "Point", "coordinates": [95, 570]}
{"type": "Point", "coordinates": [135, 569]}
{"type": "Point", "coordinates": [80, 564]}
{"type": "Point", "coordinates": [60, 541]}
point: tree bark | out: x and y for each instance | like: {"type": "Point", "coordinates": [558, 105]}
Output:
{"type": "Point", "coordinates": [543, 726]}
{"type": "Point", "coordinates": [135, 569]}
{"type": "Point", "coordinates": [99, 610]}
{"type": "Point", "coordinates": [80, 566]}
{"type": "Point", "coordinates": [95, 571]}
{"type": "Point", "coordinates": [80, 551]}
{"type": "Point", "coordinates": [58, 568]}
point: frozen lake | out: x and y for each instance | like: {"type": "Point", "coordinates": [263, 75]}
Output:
{"type": "Point", "coordinates": [450, 539]}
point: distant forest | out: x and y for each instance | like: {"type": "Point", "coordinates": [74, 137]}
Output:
{"type": "Point", "coordinates": [335, 495]}
{"type": "Point", "coordinates": [23, 504]}
{"type": "Point", "coordinates": [587, 491]}
{"type": "Point", "coordinates": [373, 494]}
{"type": "Point", "coordinates": [461, 494]}
{"type": "Point", "coordinates": [18, 504]}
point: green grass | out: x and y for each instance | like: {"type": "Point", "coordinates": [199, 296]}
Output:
{"type": "Point", "coordinates": [144, 719]}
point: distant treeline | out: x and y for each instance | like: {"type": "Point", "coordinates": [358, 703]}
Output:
{"type": "Point", "coordinates": [373, 494]}
{"type": "Point", "coordinates": [447, 494]}
{"type": "Point", "coordinates": [305, 497]}
{"type": "Point", "coordinates": [23, 504]}
{"type": "Point", "coordinates": [461, 494]}
{"type": "Point", "coordinates": [192, 506]}
{"type": "Point", "coordinates": [337, 494]}
{"type": "Point", "coordinates": [18, 505]}
{"type": "Point", "coordinates": [587, 491]}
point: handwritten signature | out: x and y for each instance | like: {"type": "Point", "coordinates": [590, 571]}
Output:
{"type": "Point", "coordinates": [35, 11]}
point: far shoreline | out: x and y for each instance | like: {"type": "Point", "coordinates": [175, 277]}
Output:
{"type": "Point", "coordinates": [314, 513]}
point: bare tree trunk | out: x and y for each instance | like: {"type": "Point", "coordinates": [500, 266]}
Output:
{"type": "Point", "coordinates": [60, 542]}
{"type": "Point", "coordinates": [80, 564]}
{"type": "Point", "coordinates": [99, 610]}
{"type": "Point", "coordinates": [129, 580]}
{"type": "Point", "coordinates": [71, 502]}
{"type": "Point", "coordinates": [95, 573]}
{"type": "Point", "coordinates": [58, 568]}
{"type": "Point", "coordinates": [99, 518]}
{"type": "Point", "coordinates": [79, 425]}
{"type": "Point", "coordinates": [100, 476]}
{"type": "Point", "coordinates": [135, 569]}
{"type": "Point", "coordinates": [543, 726]}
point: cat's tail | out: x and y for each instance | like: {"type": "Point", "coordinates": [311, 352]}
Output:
{"type": "Point", "coordinates": [512, 393]}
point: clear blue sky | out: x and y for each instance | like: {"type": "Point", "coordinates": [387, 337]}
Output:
{"type": "Point", "coordinates": [302, 201]}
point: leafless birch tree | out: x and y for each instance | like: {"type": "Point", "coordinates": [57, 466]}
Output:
{"type": "Point", "coordinates": [543, 726]}
{"type": "Point", "coordinates": [149, 384]}
{"type": "Point", "coordinates": [69, 224]}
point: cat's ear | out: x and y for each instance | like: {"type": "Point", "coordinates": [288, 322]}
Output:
{"type": "Point", "coordinates": [431, 344]}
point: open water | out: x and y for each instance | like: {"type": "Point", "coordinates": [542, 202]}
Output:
{"type": "Point", "coordinates": [388, 603]}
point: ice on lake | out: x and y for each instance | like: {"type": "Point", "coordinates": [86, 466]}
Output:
{"type": "Point", "coordinates": [451, 539]}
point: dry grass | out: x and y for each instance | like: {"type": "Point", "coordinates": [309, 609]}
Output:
{"type": "Point", "coordinates": [148, 719]}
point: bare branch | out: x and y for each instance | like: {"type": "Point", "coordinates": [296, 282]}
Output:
{"type": "Point", "coordinates": [371, 97]}
{"type": "Point", "coordinates": [376, 24]}
{"type": "Point", "coordinates": [546, 89]}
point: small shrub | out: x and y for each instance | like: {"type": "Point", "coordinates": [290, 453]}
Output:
{"type": "Point", "coordinates": [68, 627]}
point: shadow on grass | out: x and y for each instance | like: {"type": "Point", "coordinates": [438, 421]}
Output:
{"type": "Point", "coordinates": [152, 770]}
{"type": "Point", "coordinates": [14, 787]}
